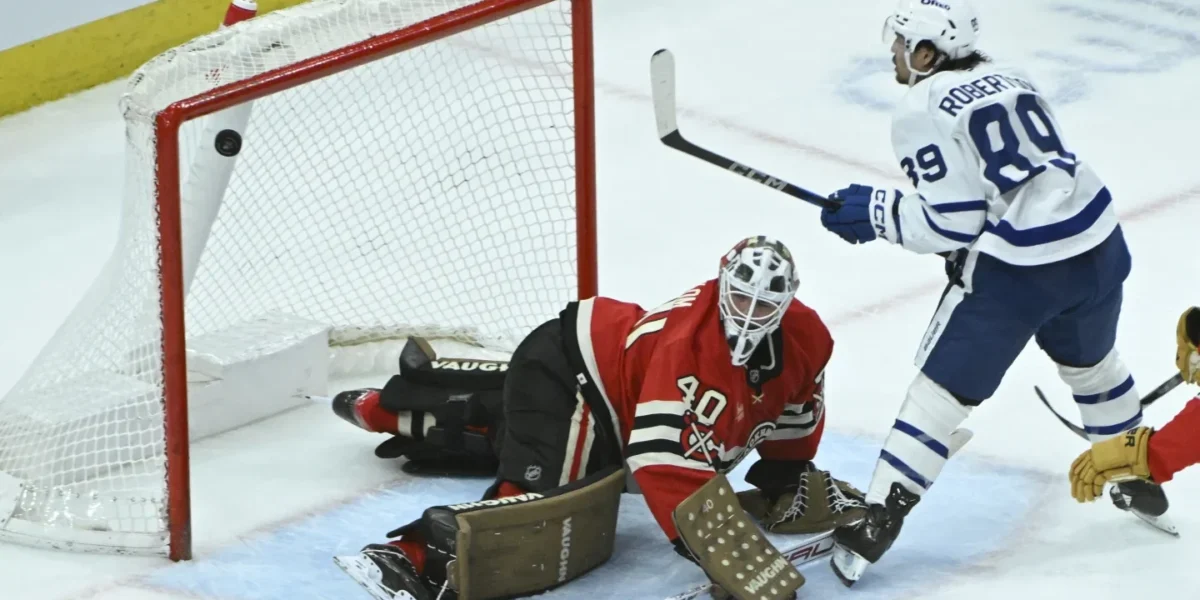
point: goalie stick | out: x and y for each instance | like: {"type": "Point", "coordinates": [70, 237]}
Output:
{"type": "Point", "coordinates": [662, 87]}
{"type": "Point", "coordinates": [1147, 400]}
{"type": "Point", "coordinates": [822, 545]}
{"type": "Point", "coordinates": [801, 554]}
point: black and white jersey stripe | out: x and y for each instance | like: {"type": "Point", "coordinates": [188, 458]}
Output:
{"type": "Point", "coordinates": [656, 437]}
{"type": "Point", "coordinates": [798, 421]}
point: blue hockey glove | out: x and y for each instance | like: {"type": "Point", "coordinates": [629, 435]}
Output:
{"type": "Point", "coordinates": [852, 221]}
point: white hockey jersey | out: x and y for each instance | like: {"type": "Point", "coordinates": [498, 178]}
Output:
{"type": "Point", "coordinates": [992, 173]}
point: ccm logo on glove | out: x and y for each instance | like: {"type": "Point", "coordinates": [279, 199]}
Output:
{"type": "Point", "coordinates": [879, 210]}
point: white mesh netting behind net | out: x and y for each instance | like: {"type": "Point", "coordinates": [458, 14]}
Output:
{"type": "Point", "coordinates": [431, 191]}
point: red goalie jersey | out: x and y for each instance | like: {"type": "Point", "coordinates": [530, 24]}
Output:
{"type": "Point", "coordinates": [683, 410]}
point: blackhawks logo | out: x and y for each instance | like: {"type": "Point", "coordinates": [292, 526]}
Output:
{"type": "Point", "coordinates": [699, 442]}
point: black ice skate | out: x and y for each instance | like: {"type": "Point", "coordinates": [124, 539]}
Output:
{"type": "Point", "coordinates": [862, 543]}
{"type": "Point", "coordinates": [386, 573]}
{"type": "Point", "coordinates": [1146, 500]}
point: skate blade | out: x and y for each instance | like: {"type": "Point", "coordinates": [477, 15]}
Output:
{"type": "Point", "coordinates": [848, 566]}
{"type": "Point", "coordinates": [364, 571]}
{"type": "Point", "coordinates": [1162, 523]}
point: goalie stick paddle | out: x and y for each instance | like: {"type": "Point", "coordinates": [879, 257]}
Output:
{"type": "Point", "coordinates": [800, 554]}
{"type": "Point", "coordinates": [662, 87]}
{"type": "Point", "coordinates": [1147, 400]}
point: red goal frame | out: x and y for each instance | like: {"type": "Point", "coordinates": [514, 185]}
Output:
{"type": "Point", "coordinates": [167, 195]}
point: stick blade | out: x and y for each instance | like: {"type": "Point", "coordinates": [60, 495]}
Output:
{"type": "Point", "coordinates": [662, 88]}
{"type": "Point", "coordinates": [1077, 430]}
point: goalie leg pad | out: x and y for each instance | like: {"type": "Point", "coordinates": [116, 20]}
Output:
{"type": "Point", "coordinates": [730, 548]}
{"type": "Point", "coordinates": [531, 543]}
{"type": "Point", "coordinates": [447, 412]}
{"type": "Point", "coordinates": [456, 392]}
{"type": "Point", "coordinates": [419, 363]}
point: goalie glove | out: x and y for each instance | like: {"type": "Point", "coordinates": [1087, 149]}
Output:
{"type": "Point", "coordinates": [796, 497]}
{"type": "Point", "coordinates": [1120, 458]}
{"type": "Point", "coordinates": [1187, 336]}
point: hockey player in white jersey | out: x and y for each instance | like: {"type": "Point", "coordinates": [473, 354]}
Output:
{"type": "Point", "coordinates": [1034, 249]}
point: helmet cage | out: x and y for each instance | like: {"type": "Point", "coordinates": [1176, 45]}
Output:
{"type": "Point", "coordinates": [756, 286]}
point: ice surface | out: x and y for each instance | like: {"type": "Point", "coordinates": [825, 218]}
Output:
{"type": "Point", "coordinates": [292, 561]}
{"type": "Point", "coordinates": [800, 90]}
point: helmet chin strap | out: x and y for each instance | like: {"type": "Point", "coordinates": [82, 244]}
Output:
{"type": "Point", "coordinates": [913, 74]}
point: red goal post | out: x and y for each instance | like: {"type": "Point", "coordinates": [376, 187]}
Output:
{"type": "Point", "coordinates": [473, 161]}
{"type": "Point", "coordinates": [167, 125]}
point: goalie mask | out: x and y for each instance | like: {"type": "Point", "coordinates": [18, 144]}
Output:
{"type": "Point", "coordinates": [950, 25]}
{"type": "Point", "coordinates": [757, 282]}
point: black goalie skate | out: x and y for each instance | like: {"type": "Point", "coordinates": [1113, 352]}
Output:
{"type": "Point", "coordinates": [386, 573]}
{"type": "Point", "coordinates": [1146, 500]}
{"type": "Point", "coordinates": [862, 543]}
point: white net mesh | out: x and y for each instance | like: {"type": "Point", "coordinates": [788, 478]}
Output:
{"type": "Point", "coordinates": [430, 191]}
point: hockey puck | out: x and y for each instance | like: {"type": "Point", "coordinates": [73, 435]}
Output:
{"type": "Point", "coordinates": [228, 142]}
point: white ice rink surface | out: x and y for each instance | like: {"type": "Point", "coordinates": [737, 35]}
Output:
{"type": "Point", "coordinates": [801, 90]}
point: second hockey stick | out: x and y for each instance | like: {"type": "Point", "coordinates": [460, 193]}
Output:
{"type": "Point", "coordinates": [662, 87]}
{"type": "Point", "coordinates": [1147, 400]}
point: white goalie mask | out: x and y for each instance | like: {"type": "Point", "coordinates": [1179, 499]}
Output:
{"type": "Point", "coordinates": [757, 282]}
{"type": "Point", "coordinates": [952, 26]}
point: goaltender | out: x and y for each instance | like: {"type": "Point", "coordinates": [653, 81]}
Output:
{"type": "Point", "coordinates": [607, 398]}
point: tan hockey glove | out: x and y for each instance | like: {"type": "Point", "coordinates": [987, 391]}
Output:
{"type": "Point", "coordinates": [1115, 459]}
{"type": "Point", "coordinates": [1187, 336]}
{"type": "Point", "coordinates": [796, 497]}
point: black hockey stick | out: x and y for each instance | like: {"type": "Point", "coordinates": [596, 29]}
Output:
{"type": "Point", "coordinates": [1147, 400]}
{"type": "Point", "coordinates": [662, 85]}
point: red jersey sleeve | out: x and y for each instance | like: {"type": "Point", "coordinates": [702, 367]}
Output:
{"type": "Point", "coordinates": [799, 428]}
{"type": "Point", "coordinates": [797, 432]}
{"type": "Point", "coordinates": [1177, 445]}
{"type": "Point", "coordinates": [669, 451]}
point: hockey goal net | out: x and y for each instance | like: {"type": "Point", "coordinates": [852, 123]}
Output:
{"type": "Point", "coordinates": [337, 175]}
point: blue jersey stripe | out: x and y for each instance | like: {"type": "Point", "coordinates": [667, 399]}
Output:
{"type": "Point", "coordinates": [1045, 234]}
{"type": "Point", "coordinates": [946, 233]}
{"type": "Point", "coordinates": [955, 207]}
